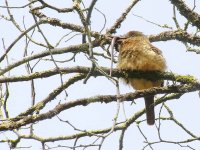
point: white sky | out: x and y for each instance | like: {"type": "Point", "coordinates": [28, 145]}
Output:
{"type": "Point", "coordinates": [186, 109]}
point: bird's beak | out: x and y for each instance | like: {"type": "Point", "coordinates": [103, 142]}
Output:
{"type": "Point", "coordinates": [118, 38]}
{"type": "Point", "coordinates": [121, 38]}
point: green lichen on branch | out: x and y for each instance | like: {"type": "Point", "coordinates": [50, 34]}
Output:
{"type": "Point", "coordinates": [156, 75]}
{"type": "Point", "coordinates": [186, 79]}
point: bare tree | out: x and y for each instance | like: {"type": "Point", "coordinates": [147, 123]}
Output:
{"type": "Point", "coordinates": [59, 89]}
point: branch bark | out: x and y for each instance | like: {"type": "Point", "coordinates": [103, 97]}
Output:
{"type": "Point", "coordinates": [15, 123]}
{"type": "Point", "coordinates": [184, 10]}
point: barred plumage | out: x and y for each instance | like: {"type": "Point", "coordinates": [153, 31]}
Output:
{"type": "Point", "coordinates": [137, 53]}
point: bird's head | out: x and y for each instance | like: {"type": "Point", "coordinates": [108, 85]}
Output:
{"type": "Point", "coordinates": [132, 34]}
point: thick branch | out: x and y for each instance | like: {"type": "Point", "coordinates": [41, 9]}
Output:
{"type": "Point", "coordinates": [169, 35]}
{"type": "Point", "coordinates": [10, 125]}
{"type": "Point", "coordinates": [184, 10]}
{"type": "Point", "coordinates": [90, 133]}
{"type": "Point", "coordinates": [180, 35]}
{"type": "Point", "coordinates": [151, 75]}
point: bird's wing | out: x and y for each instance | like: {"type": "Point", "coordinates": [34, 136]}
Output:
{"type": "Point", "coordinates": [156, 50]}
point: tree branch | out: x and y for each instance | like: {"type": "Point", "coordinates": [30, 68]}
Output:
{"type": "Point", "coordinates": [151, 75]}
{"type": "Point", "coordinates": [13, 124]}
{"type": "Point", "coordinates": [184, 10]}
{"type": "Point", "coordinates": [180, 35]}
{"type": "Point", "coordinates": [122, 17]}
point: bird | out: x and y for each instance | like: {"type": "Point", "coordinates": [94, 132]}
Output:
{"type": "Point", "coordinates": [137, 53]}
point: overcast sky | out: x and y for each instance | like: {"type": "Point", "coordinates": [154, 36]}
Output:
{"type": "Point", "coordinates": [179, 61]}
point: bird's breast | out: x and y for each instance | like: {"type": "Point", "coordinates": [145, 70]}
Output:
{"type": "Point", "coordinates": [140, 56]}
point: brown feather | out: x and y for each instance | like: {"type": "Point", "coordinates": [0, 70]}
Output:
{"type": "Point", "coordinates": [137, 53]}
{"type": "Point", "coordinates": [149, 104]}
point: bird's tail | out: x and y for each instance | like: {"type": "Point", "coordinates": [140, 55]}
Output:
{"type": "Point", "coordinates": [150, 114]}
